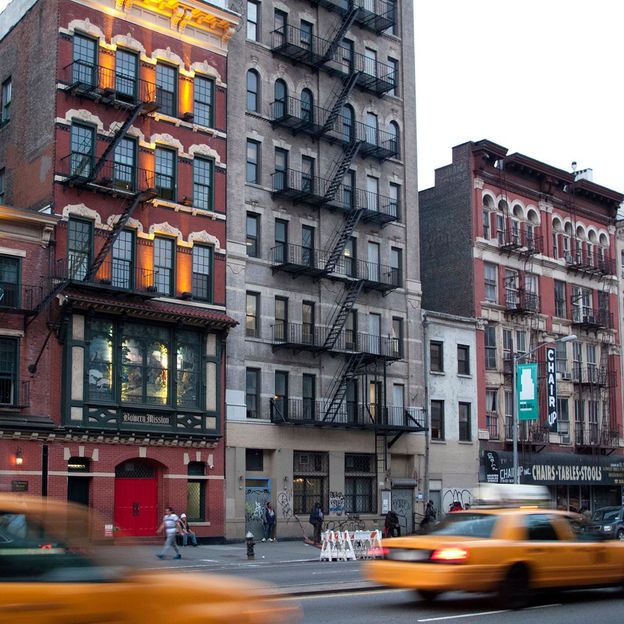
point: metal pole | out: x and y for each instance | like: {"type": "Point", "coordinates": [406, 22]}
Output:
{"type": "Point", "coordinates": [514, 411]}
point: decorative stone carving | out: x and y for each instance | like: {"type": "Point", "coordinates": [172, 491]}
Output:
{"type": "Point", "coordinates": [203, 67]}
{"type": "Point", "coordinates": [478, 183]}
{"type": "Point", "coordinates": [167, 55]}
{"type": "Point", "coordinates": [201, 149]}
{"type": "Point", "coordinates": [166, 228]}
{"type": "Point", "coordinates": [131, 223]}
{"type": "Point", "coordinates": [128, 41]}
{"type": "Point", "coordinates": [167, 139]}
{"type": "Point", "coordinates": [80, 210]}
{"type": "Point", "coordinates": [208, 239]}
{"type": "Point", "coordinates": [87, 27]}
{"type": "Point", "coordinates": [84, 115]}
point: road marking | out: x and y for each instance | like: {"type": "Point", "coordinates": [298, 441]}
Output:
{"type": "Point", "coordinates": [467, 615]}
{"type": "Point", "coordinates": [462, 615]}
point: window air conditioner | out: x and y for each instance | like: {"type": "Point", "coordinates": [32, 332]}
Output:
{"type": "Point", "coordinates": [566, 376]}
{"type": "Point", "coordinates": [569, 258]}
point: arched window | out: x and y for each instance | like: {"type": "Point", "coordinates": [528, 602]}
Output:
{"type": "Point", "coordinates": [253, 91]}
{"type": "Point", "coordinates": [394, 142]}
{"type": "Point", "coordinates": [280, 94]}
{"type": "Point", "coordinates": [307, 105]}
{"type": "Point", "coordinates": [348, 123]}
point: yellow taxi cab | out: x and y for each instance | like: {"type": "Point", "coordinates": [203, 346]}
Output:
{"type": "Point", "coordinates": [52, 571]}
{"type": "Point", "coordinates": [510, 551]}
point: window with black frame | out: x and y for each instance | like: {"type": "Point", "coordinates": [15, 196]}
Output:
{"type": "Point", "coordinates": [79, 247]}
{"type": "Point", "coordinates": [202, 272]}
{"type": "Point", "coordinates": [166, 166]}
{"type": "Point", "coordinates": [360, 483]}
{"type": "Point", "coordinates": [203, 105]}
{"type": "Point", "coordinates": [164, 264]}
{"type": "Point", "coordinates": [124, 165]}
{"type": "Point", "coordinates": [8, 371]}
{"type": "Point", "coordinates": [10, 269]}
{"type": "Point", "coordinates": [196, 492]}
{"type": "Point", "coordinates": [82, 141]}
{"type": "Point", "coordinates": [122, 274]}
{"type": "Point", "coordinates": [310, 481]}
{"type": "Point", "coordinates": [84, 57]}
{"type": "Point", "coordinates": [166, 89]}
{"type": "Point", "coordinates": [203, 181]}
{"type": "Point", "coordinates": [188, 369]}
{"type": "Point", "coordinates": [126, 74]}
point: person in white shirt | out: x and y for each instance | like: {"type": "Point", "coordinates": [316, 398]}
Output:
{"type": "Point", "coordinates": [171, 526]}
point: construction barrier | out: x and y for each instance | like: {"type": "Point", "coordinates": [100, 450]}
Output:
{"type": "Point", "coordinates": [349, 545]}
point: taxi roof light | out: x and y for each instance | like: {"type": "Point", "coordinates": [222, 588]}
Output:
{"type": "Point", "coordinates": [451, 554]}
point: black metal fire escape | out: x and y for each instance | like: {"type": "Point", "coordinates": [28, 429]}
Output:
{"type": "Point", "coordinates": [62, 281]}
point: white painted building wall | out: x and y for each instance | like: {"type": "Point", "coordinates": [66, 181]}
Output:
{"type": "Point", "coordinates": [453, 463]}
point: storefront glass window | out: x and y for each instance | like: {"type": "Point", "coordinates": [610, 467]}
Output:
{"type": "Point", "coordinates": [100, 364]}
{"type": "Point", "coordinates": [188, 365]}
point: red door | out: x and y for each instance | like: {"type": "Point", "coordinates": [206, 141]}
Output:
{"type": "Point", "coordinates": [136, 506]}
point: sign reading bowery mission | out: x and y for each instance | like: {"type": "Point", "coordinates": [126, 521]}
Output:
{"type": "Point", "coordinates": [144, 419]}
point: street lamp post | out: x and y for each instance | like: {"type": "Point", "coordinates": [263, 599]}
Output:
{"type": "Point", "coordinates": [517, 357]}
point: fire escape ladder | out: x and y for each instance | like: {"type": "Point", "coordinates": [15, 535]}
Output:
{"type": "Point", "coordinates": [340, 32]}
{"type": "Point", "coordinates": [340, 101]}
{"type": "Point", "coordinates": [120, 134]}
{"type": "Point", "coordinates": [338, 389]}
{"type": "Point", "coordinates": [381, 452]}
{"type": "Point", "coordinates": [342, 238]}
{"type": "Point", "coordinates": [341, 311]}
{"type": "Point", "coordinates": [337, 177]}
{"type": "Point", "coordinates": [56, 290]}
{"type": "Point", "coordinates": [113, 235]}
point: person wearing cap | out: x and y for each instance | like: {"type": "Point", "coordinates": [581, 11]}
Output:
{"type": "Point", "coordinates": [186, 531]}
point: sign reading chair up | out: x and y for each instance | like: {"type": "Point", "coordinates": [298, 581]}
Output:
{"type": "Point", "coordinates": [526, 391]}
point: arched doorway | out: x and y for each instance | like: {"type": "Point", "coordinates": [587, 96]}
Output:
{"type": "Point", "coordinates": [136, 497]}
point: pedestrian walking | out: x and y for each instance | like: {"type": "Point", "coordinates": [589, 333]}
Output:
{"type": "Point", "coordinates": [171, 526]}
{"type": "Point", "coordinates": [429, 517]}
{"type": "Point", "coordinates": [316, 520]}
{"type": "Point", "coordinates": [187, 534]}
{"type": "Point", "coordinates": [269, 523]}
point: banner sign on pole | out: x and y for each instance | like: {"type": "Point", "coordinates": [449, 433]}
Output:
{"type": "Point", "coordinates": [551, 387]}
{"type": "Point", "coordinates": [526, 391]}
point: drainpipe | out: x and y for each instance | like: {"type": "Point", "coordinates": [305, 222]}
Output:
{"type": "Point", "coordinates": [426, 408]}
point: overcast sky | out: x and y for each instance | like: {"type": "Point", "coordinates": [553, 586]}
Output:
{"type": "Point", "coordinates": [541, 77]}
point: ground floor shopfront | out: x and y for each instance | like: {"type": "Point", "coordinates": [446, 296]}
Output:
{"type": "Point", "coordinates": [295, 467]}
{"type": "Point", "coordinates": [573, 480]}
{"type": "Point", "coordinates": [127, 481]}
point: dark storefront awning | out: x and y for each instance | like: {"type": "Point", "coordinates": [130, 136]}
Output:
{"type": "Point", "coordinates": [153, 310]}
{"type": "Point", "coordinates": [553, 468]}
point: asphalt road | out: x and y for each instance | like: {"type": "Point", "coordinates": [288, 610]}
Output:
{"type": "Point", "coordinates": [394, 606]}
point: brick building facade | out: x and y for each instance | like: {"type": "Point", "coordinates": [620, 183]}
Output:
{"type": "Point", "coordinates": [529, 250]}
{"type": "Point", "coordinates": [119, 136]}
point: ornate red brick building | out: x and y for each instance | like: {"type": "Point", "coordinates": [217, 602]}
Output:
{"type": "Point", "coordinates": [116, 139]}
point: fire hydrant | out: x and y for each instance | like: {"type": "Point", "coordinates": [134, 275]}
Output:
{"type": "Point", "coordinates": [249, 538]}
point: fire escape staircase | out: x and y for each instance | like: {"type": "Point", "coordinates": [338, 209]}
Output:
{"type": "Point", "coordinates": [341, 168]}
{"type": "Point", "coordinates": [338, 389]}
{"type": "Point", "coordinates": [339, 102]}
{"type": "Point", "coordinates": [342, 238]}
{"type": "Point", "coordinates": [352, 292]}
{"type": "Point", "coordinates": [140, 197]}
{"type": "Point", "coordinates": [339, 33]}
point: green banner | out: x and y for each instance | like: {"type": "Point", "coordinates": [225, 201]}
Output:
{"type": "Point", "coordinates": [526, 391]}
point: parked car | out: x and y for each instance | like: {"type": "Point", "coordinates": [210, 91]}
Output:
{"type": "Point", "coordinates": [53, 568]}
{"type": "Point", "coordinates": [510, 551]}
{"type": "Point", "coordinates": [607, 522]}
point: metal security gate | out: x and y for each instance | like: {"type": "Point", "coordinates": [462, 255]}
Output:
{"type": "Point", "coordinates": [257, 494]}
{"type": "Point", "coordinates": [403, 505]}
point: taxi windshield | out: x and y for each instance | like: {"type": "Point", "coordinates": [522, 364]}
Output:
{"type": "Point", "coordinates": [467, 525]}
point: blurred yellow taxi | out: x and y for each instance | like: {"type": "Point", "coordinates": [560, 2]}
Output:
{"type": "Point", "coordinates": [52, 571]}
{"type": "Point", "coordinates": [510, 551]}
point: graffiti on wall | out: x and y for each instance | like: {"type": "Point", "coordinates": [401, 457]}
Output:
{"type": "Point", "coordinates": [336, 503]}
{"type": "Point", "coordinates": [452, 496]}
{"type": "Point", "coordinates": [284, 504]}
